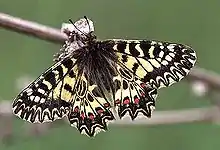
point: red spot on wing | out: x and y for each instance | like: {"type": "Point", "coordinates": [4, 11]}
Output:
{"type": "Point", "coordinates": [136, 100]}
{"type": "Point", "coordinates": [142, 94]}
{"type": "Point", "coordinates": [76, 109]}
{"type": "Point", "coordinates": [82, 115]}
{"type": "Point", "coordinates": [91, 116]}
{"type": "Point", "coordinates": [100, 111]}
{"type": "Point", "coordinates": [106, 105]}
{"type": "Point", "coordinates": [142, 85]}
{"type": "Point", "coordinates": [117, 102]}
{"type": "Point", "coordinates": [126, 101]}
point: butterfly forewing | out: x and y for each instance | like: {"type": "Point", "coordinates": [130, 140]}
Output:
{"type": "Point", "coordinates": [157, 63]}
{"type": "Point", "coordinates": [46, 98]}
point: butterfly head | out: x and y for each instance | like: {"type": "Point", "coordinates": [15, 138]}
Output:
{"type": "Point", "coordinates": [84, 29]}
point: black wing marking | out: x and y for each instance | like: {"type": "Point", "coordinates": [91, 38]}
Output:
{"type": "Point", "coordinates": [91, 109]}
{"type": "Point", "coordinates": [159, 63]}
{"type": "Point", "coordinates": [132, 96]}
{"type": "Point", "coordinates": [47, 98]}
{"type": "Point", "coordinates": [62, 91]}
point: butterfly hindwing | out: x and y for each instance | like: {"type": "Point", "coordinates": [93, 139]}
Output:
{"type": "Point", "coordinates": [132, 97]}
{"type": "Point", "coordinates": [91, 109]}
{"type": "Point", "coordinates": [157, 63]}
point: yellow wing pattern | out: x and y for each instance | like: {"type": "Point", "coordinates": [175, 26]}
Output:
{"type": "Point", "coordinates": [85, 89]}
{"type": "Point", "coordinates": [158, 63]}
{"type": "Point", "coordinates": [133, 98]}
{"type": "Point", "coordinates": [46, 99]}
{"type": "Point", "coordinates": [91, 110]}
{"type": "Point", "coordinates": [60, 92]}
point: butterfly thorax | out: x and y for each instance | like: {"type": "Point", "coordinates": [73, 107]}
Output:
{"type": "Point", "coordinates": [97, 61]}
{"type": "Point", "coordinates": [75, 41]}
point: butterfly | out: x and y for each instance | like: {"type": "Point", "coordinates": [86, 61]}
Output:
{"type": "Point", "coordinates": [94, 82]}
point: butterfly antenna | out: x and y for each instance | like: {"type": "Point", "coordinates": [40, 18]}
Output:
{"type": "Point", "coordinates": [70, 20]}
{"type": "Point", "coordinates": [87, 22]}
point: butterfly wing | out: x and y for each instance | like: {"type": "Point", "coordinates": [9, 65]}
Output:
{"type": "Point", "coordinates": [46, 99]}
{"type": "Point", "coordinates": [158, 63]}
{"type": "Point", "coordinates": [62, 91]}
{"type": "Point", "coordinates": [142, 68]}
{"type": "Point", "coordinates": [91, 108]}
{"type": "Point", "coordinates": [132, 97]}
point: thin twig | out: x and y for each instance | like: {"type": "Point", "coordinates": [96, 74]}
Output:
{"type": "Point", "coordinates": [175, 117]}
{"type": "Point", "coordinates": [31, 28]}
{"type": "Point", "coordinates": [209, 77]}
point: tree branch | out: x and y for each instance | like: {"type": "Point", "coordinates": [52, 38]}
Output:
{"type": "Point", "coordinates": [175, 117]}
{"type": "Point", "coordinates": [31, 28]}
